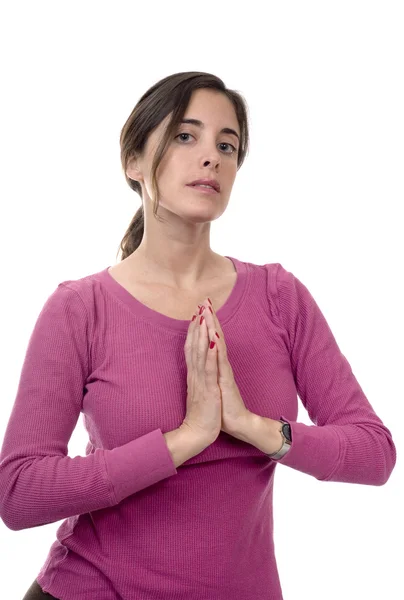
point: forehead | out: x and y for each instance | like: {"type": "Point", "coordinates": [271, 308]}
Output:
{"type": "Point", "coordinates": [211, 105]}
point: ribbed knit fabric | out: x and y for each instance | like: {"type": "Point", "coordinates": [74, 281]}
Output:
{"type": "Point", "coordinates": [135, 527]}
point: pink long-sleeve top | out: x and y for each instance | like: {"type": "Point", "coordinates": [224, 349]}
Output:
{"type": "Point", "coordinates": [134, 526]}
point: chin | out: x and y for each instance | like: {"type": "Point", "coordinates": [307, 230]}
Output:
{"type": "Point", "coordinates": [203, 216]}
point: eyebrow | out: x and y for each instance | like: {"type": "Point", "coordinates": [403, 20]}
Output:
{"type": "Point", "coordinates": [200, 124]}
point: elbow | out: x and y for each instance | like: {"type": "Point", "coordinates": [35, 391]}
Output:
{"type": "Point", "coordinates": [370, 462]}
{"type": "Point", "coordinates": [15, 512]}
{"type": "Point", "coordinates": [10, 521]}
{"type": "Point", "coordinates": [20, 516]}
{"type": "Point", "coordinates": [389, 462]}
{"type": "Point", "coordinates": [12, 508]}
{"type": "Point", "coordinates": [13, 520]}
{"type": "Point", "coordinates": [13, 516]}
{"type": "Point", "coordinates": [383, 462]}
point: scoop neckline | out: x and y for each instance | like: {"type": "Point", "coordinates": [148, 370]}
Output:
{"type": "Point", "coordinates": [149, 314]}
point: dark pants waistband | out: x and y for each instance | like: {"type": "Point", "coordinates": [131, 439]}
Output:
{"type": "Point", "coordinates": [35, 592]}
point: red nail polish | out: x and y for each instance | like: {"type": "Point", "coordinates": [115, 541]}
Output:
{"type": "Point", "coordinates": [210, 310]}
{"type": "Point", "coordinates": [202, 318]}
{"type": "Point", "coordinates": [212, 345]}
{"type": "Point", "coordinates": [194, 317]}
{"type": "Point", "coordinates": [210, 301]}
{"type": "Point", "coordinates": [217, 334]}
{"type": "Point", "coordinates": [201, 310]}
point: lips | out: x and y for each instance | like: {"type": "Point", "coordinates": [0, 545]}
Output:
{"type": "Point", "coordinates": [203, 186]}
{"type": "Point", "coordinates": [211, 182]}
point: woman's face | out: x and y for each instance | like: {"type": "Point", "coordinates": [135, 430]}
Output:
{"type": "Point", "coordinates": [195, 152]}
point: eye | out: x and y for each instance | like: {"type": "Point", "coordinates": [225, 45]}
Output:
{"type": "Point", "coordinates": [222, 144]}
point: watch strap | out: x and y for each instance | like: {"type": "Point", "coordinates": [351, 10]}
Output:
{"type": "Point", "coordinates": [286, 442]}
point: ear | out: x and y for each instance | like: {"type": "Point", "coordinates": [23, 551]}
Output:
{"type": "Point", "coordinates": [133, 171]}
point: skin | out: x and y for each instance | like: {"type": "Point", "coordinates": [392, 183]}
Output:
{"type": "Point", "coordinates": [177, 252]}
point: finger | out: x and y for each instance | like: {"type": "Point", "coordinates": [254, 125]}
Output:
{"type": "Point", "coordinates": [188, 340]}
{"type": "Point", "coordinates": [201, 343]}
{"type": "Point", "coordinates": [211, 366]}
{"type": "Point", "coordinates": [213, 323]}
{"type": "Point", "coordinates": [214, 328]}
{"type": "Point", "coordinates": [188, 347]}
{"type": "Point", "coordinates": [210, 323]}
{"type": "Point", "coordinates": [195, 340]}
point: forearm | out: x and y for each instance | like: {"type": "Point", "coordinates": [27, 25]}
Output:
{"type": "Point", "coordinates": [182, 445]}
{"type": "Point", "coordinates": [261, 432]}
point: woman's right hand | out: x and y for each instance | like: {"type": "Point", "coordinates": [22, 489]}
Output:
{"type": "Point", "coordinates": [204, 405]}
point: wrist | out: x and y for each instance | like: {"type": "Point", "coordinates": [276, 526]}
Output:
{"type": "Point", "coordinates": [278, 437]}
{"type": "Point", "coordinates": [271, 440]}
{"type": "Point", "coordinates": [261, 432]}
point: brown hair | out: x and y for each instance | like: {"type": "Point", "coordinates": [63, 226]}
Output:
{"type": "Point", "coordinates": [171, 94]}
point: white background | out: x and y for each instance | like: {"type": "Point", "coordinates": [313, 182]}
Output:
{"type": "Point", "coordinates": [321, 192]}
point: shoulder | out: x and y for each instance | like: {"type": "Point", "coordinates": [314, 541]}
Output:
{"type": "Point", "coordinates": [84, 287]}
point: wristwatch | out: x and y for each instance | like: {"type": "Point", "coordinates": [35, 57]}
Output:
{"type": "Point", "coordinates": [287, 441]}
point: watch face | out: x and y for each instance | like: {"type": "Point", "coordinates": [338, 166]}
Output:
{"type": "Point", "coordinates": [287, 432]}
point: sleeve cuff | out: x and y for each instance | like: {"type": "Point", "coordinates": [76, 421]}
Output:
{"type": "Point", "coordinates": [314, 450]}
{"type": "Point", "coordinates": [138, 464]}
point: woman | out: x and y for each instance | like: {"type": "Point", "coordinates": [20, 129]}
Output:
{"type": "Point", "coordinates": [208, 349]}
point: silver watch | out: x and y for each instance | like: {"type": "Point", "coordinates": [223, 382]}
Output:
{"type": "Point", "coordinates": [287, 441]}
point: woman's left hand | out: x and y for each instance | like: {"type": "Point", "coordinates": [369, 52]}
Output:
{"type": "Point", "coordinates": [234, 411]}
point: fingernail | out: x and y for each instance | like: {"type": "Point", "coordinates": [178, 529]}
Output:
{"type": "Point", "coordinates": [210, 301]}
{"type": "Point", "coordinates": [210, 310]}
{"type": "Point", "coordinates": [217, 334]}
{"type": "Point", "coordinates": [194, 317]}
{"type": "Point", "coordinates": [201, 310]}
{"type": "Point", "coordinates": [202, 318]}
{"type": "Point", "coordinates": [212, 345]}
